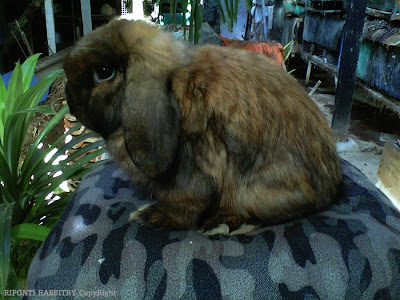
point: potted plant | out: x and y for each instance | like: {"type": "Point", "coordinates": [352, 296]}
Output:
{"type": "Point", "coordinates": [30, 198]}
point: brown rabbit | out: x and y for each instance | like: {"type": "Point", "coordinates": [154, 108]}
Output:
{"type": "Point", "coordinates": [217, 135]}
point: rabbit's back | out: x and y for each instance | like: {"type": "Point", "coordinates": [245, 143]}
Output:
{"type": "Point", "coordinates": [261, 139]}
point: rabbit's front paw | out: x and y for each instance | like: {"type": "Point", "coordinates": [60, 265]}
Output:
{"type": "Point", "coordinates": [157, 217]}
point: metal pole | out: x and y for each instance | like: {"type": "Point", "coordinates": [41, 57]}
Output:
{"type": "Point", "coordinates": [86, 16]}
{"type": "Point", "coordinates": [50, 27]}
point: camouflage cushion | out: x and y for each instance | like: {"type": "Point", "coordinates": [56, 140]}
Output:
{"type": "Point", "coordinates": [351, 251]}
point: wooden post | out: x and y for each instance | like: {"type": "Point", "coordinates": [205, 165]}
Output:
{"type": "Point", "coordinates": [264, 22]}
{"type": "Point", "coordinates": [50, 27]}
{"type": "Point", "coordinates": [352, 35]}
{"type": "Point", "coordinates": [86, 16]}
{"type": "Point", "coordinates": [277, 25]}
{"type": "Point", "coordinates": [308, 74]}
{"type": "Point", "coordinates": [248, 26]}
{"type": "Point", "coordinates": [389, 172]}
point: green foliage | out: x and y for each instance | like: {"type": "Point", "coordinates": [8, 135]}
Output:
{"type": "Point", "coordinates": [228, 10]}
{"type": "Point", "coordinates": [28, 208]}
{"type": "Point", "coordinates": [196, 20]}
{"type": "Point", "coordinates": [288, 50]}
{"type": "Point", "coordinates": [195, 9]}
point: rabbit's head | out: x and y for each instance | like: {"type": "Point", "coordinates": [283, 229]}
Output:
{"type": "Point", "coordinates": [119, 79]}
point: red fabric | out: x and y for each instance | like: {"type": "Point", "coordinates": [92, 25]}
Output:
{"type": "Point", "coordinates": [273, 50]}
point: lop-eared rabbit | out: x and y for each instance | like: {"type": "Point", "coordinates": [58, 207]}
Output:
{"type": "Point", "coordinates": [216, 135]}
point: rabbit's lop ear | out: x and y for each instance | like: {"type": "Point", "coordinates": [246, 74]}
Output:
{"type": "Point", "coordinates": [151, 124]}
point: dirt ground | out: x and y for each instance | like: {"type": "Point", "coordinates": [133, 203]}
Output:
{"type": "Point", "coordinates": [370, 127]}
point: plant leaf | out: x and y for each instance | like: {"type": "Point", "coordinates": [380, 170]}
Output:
{"type": "Point", "coordinates": [5, 243]}
{"type": "Point", "coordinates": [221, 12]}
{"type": "Point", "coordinates": [44, 109]}
{"type": "Point", "coordinates": [12, 283]}
{"type": "Point", "coordinates": [84, 150]}
{"type": "Point", "coordinates": [11, 146]}
{"type": "Point", "coordinates": [16, 125]}
{"type": "Point", "coordinates": [288, 49]}
{"type": "Point", "coordinates": [3, 99]}
{"type": "Point", "coordinates": [45, 168]}
{"type": "Point", "coordinates": [30, 231]}
{"type": "Point", "coordinates": [50, 125]}
{"type": "Point", "coordinates": [52, 183]}
{"type": "Point", "coordinates": [4, 169]}
{"type": "Point", "coordinates": [14, 90]}
{"type": "Point", "coordinates": [249, 4]}
{"type": "Point", "coordinates": [235, 10]}
{"type": "Point", "coordinates": [28, 68]}
{"type": "Point", "coordinates": [32, 160]}
{"type": "Point", "coordinates": [34, 94]}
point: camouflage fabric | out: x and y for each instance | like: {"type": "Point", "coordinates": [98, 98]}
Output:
{"type": "Point", "coordinates": [351, 251]}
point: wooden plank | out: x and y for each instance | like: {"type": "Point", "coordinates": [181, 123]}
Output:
{"type": "Point", "coordinates": [319, 62]}
{"type": "Point", "coordinates": [380, 14]}
{"type": "Point", "coordinates": [352, 35]}
{"type": "Point", "coordinates": [389, 171]}
{"type": "Point", "coordinates": [48, 64]}
{"type": "Point", "coordinates": [322, 11]}
{"type": "Point", "coordinates": [369, 95]}
{"type": "Point", "coordinates": [50, 27]}
{"type": "Point", "coordinates": [86, 16]}
{"type": "Point", "coordinates": [308, 74]}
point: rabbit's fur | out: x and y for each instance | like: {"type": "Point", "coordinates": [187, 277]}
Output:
{"type": "Point", "coordinates": [216, 135]}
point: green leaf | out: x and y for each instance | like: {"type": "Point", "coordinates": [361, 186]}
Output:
{"type": "Point", "coordinates": [3, 99]}
{"type": "Point", "coordinates": [34, 94]}
{"type": "Point", "coordinates": [192, 21]}
{"type": "Point", "coordinates": [30, 231]}
{"type": "Point", "coordinates": [68, 172]}
{"type": "Point", "coordinates": [221, 12]}
{"type": "Point", "coordinates": [4, 169]}
{"type": "Point", "coordinates": [235, 10]}
{"type": "Point", "coordinates": [83, 150]}
{"type": "Point", "coordinates": [11, 146]}
{"type": "Point", "coordinates": [32, 159]}
{"type": "Point", "coordinates": [14, 90]}
{"type": "Point", "coordinates": [28, 68]}
{"type": "Point", "coordinates": [13, 284]}
{"type": "Point", "coordinates": [44, 109]}
{"type": "Point", "coordinates": [249, 4]}
{"type": "Point", "coordinates": [16, 125]}
{"type": "Point", "coordinates": [5, 243]}
{"type": "Point", "coordinates": [46, 130]}
{"type": "Point", "coordinates": [231, 15]}
{"type": "Point", "coordinates": [41, 173]}
{"type": "Point", "coordinates": [198, 22]}
{"type": "Point", "coordinates": [288, 49]}
{"type": "Point", "coordinates": [227, 8]}
{"type": "Point", "coordinates": [9, 189]}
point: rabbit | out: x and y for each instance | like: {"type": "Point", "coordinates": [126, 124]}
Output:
{"type": "Point", "coordinates": [216, 135]}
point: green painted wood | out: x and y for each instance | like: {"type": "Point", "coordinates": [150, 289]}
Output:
{"type": "Point", "coordinates": [386, 5]}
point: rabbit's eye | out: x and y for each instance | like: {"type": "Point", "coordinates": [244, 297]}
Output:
{"type": "Point", "coordinates": [104, 74]}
